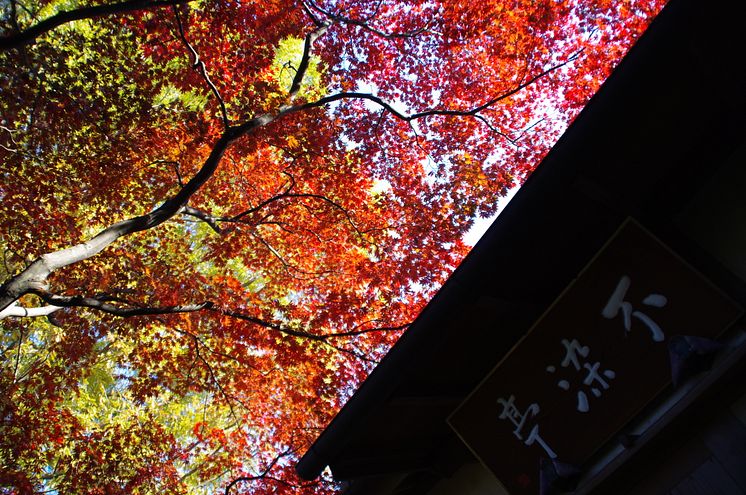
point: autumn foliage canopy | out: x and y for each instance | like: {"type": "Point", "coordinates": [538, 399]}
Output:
{"type": "Point", "coordinates": [217, 215]}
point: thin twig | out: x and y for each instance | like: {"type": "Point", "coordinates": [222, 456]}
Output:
{"type": "Point", "coordinates": [205, 217]}
{"type": "Point", "coordinates": [199, 65]}
{"type": "Point", "coordinates": [364, 24]}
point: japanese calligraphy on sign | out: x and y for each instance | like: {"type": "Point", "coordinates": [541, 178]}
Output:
{"type": "Point", "coordinates": [592, 379]}
{"type": "Point", "coordinates": [595, 358]}
{"type": "Point", "coordinates": [511, 412]}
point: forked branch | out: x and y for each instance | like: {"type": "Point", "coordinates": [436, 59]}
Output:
{"type": "Point", "coordinates": [34, 277]}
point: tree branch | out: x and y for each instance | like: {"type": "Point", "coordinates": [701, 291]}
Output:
{"type": "Point", "coordinates": [353, 95]}
{"type": "Point", "coordinates": [18, 311]}
{"type": "Point", "coordinates": [305, 59]}
{"type": "Point", "coordinates": [211, 371]}
{"type": "Point", "coordinates": [263, 475]}
{"type": "Point", "coordinates": [34, 276]}
{"type": "Point", "coordinates": [205, 217]}
{"type": "Point", "coordinates": [199, 65]}
{"type": "Point", "coordinates": [301, 333]}
{"type": "Point", "coordinates": [288, 195]}
{"type": "Point", "coordinates": [353, 333]}
{"type": "Point", "coordinates": [101, 305]}
{"type": "Point", "coordinates": [364, 23]}
{"type": "Point", "coordinates": [30, 34]}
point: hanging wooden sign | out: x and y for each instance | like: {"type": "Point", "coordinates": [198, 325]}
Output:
{"type": "Point", "coordinates": [595, 358]}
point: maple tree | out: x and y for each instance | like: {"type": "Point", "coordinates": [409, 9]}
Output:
{"type": "Point", "coordinates": [216, 216]}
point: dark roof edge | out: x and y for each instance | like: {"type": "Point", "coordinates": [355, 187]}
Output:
{"type": "Point", "coordinates": [383, 379]}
